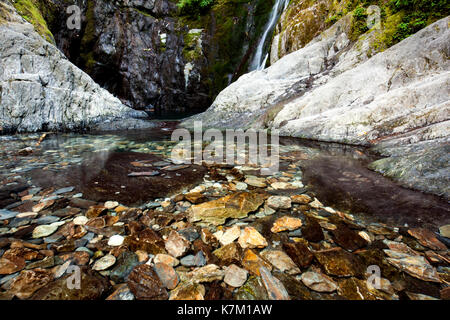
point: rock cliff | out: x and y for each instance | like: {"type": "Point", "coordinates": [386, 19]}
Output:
{"type": "Point", "coordinates": [41, 90]}
{"type": "Point", "coordinates": [332, 90]}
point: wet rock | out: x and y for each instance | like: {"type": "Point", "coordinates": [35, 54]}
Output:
{"type": "Point", "coordinates": [280, 260]}
{"type": "Point", "coordinates": [419, 296]}
{"type": "Point", "coordinates": [312, 230]}
{"type": "Point", "coordinates": [46, 230]}
{"type": "Point", "coordinates": [47, 262]}
{"type": "Point", "coordinates": [427, 238]}
{"type": "Point", "coordinates": [256, 182]}
{"type": "Point", "coordinates": [195, 197]}
{"type": "Point", "coordinates": [167, 275]}
{"type": "Point", "coordinates": [208, 273]}
{"type": "Point", "coordinates": [252, 262]}
{"type": "Point", "coordinates": [176, 245]}
{"type": "Point", "coordinates": [167, 259]}
{"type": "Point", "coordinates": [104, 263]}
{"type": "Point", "coordinates": [417, 266]}
{"type": "Point", "coordinates": [29, 281]}
{"type": "Point", "coordinates": [235, 276]}
{"type": "Point", "coordinates": [253, 289]}
{"type": "Point", "coordinates": [445, 231]}
{"type": "Point", "coordinates": [146, 240]}
{"type": "Point", "coordinates": [228, 236]}
{"type": "Point", "coordinates": [111, 204]}
{"type": "Point", "coordinates": [208, 238]}
{"type": "Point", "coordinates": [122, 292]}
{"type": "Point", "coordinates": [347, 238]}
{"type": "Point", "coordinates": [116, 240]}
{"type": "Point", "coordinates": [274, 287]}
{"type": "Point", "coordinates": [190, 234]}
{"type": "Point", "coordinates": [43, 205]}
{"type": "Point", "coordinates": [188, 291]}
{"type": "Point", "coordinates": [236, 205]}
{"type": "Point", "coordinates": [299, 253]}
{"type": "Point", "coordinates": [92, 287]}
{"type": "Point", "coordinates": [445, 293]}
{"type": "Point", "coordinates": [300, 199]}
{"type": "Point", "coordinates": [198, 260]}
{"type": "Point", "coordinates": [286, 223]}
{"type": "Point", "coordinates": [144, 283]}
{"type": "Point", "coordinates": [339, 262]}
{"type": "Point", "coordinates": [95, 211]}
{"type": "Point", "coordinates": [251, 238]}
{"type": "Point", "coordinates": [356, 289]}
{"type": "Point", "coordinates": [11, 264]}
{"type": "Point", "coordinates": [229, 254]}
{"type": "Point", "coordinates": [80, 221]}
{"type": "Point", "coordinates": [279, 202]}
{"type": "Point", "coordinates": [125, 264]}
{"type": "Point", "coordinates": [317, 281]}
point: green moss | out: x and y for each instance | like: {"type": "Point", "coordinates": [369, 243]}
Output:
{"type": "Point", "coordinates": [88, 40]}
{"type": "Point", "coordinates": [29, 10]}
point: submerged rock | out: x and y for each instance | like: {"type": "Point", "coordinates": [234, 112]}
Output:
{"type": "Point", "coordinates": [236, 205]}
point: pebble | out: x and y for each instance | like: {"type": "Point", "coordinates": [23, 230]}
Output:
{"type": "Point", "coordinates": [104, 263]}
{"type": "Point", "coordinates": [251, 238]}
{"type": "Point", "coordinates": [279, 202]}
{"type": "Point", "coordinates": [116, 240]}
{"type": "Point", "coordinates": [167, 275]}
{"type": "Point", "coordinates": [317, 281]}
{"type": "Point", "coordinates": [111, 204]}
{"type": "Point", "coordinates": [167, 259]}
{"type": "Point", "coordinates": [235, 276]}
{"type": "Point", "coordinates": [286, 223]}
{"type": "Point", "coordinates": [80, 220]}
{"type": "Point", "coordinates": [46, 230]}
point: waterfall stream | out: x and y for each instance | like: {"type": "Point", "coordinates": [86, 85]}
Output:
{"type": "Point", "coordinates": [259, 60]}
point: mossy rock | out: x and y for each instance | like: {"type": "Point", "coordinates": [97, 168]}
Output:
{"type": "Point", "coordinates": [31, 10]}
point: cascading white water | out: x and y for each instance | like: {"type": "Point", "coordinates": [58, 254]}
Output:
{"type": "Point", "coordinates": [259, 62]}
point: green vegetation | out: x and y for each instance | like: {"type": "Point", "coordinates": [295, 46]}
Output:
{"type": "Point", "coordinates": [193, 7]}
{"type": "Point", "coordinates": [30, 11]}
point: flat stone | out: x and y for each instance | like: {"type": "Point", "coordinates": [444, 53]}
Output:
{"type": "Point", "coordinates": [256, 182]}
{"type": "Point", "coordinates": [299, 253]}
{"type": "Point", "coordinates": [339, 262]}
{"type": "Point", "coordinates": [252, 262]}
{"type": "Point", "coordinates": [253, 289]}
{"type": "Point", "coordinates": [228, 236]}
{"type": "Point", "coordinates": [235, 276]}
{"type": "Point", "coordinates": [188, 291]}
{"type": "Point", "coordinates": [167, 259]}
{"type": "Point", "coordinates": [104, 263]}
{"type": "Point", "coordinates": [43, 205]}
{"type": "Point", "coordinates": [317, 281]}
{"type": "Point", "coordinates": [116, 240]}
{"type": "Point", "coordinates": [356, 289]}
{"type": "Point", "coordinates": [125, 263]}
{"type": "Point", "coordinates": [286, 223]}
{"type": "Point", "coordinates": [198, 260]}
{"type": "Point", "coordinates": [122, 292]}
{"type": "Point", "coordinates": [95, 211]}
{"type": "Point", "coordinates": [312, 231]}
{"type": "Point", "coordinates": [280, 260]}
{"type": "Point", "coordinates": [229, 254]}
{"type": "Point", "coordinates": [145, 284]}
{"type": "Point", "coordinates": [445, 231]}
{"type": "Point", "coordinates": [6, 214]}
{"type": "Point", "coordinates": [236, 205]}
{"type": "Point", "coordinates": [64, 190]}
{"type": "Point", "coordinates": [347, 238]}
{"type": "Point", "coordinates": [29, 281]}
{"type": "Point", "coordinates": [241, 186]}
{"type": "Point", "coordinates": [111, 205]}
{"type": "Point", "coordinates": [11, 264]}
{"type": "Point", "coordinates": [208, 273]}
{"type": "Point", "coordinates": [279, 202]}
{"type": "Point", "coordinates": [283, 186]}
{"type": "Point", "coordinates": [275, 289]}
{"type": "Point", "coordinates": [416, 266]}
{"type": "Point", "coordinates": [46, 230]}
{"type": "Point", "coordinates": [300, 199]}
{"type": "Point", "coordinates": [251, 238]}
{"type": "Point", "coordinates": [427, 238]}
{"type": "Point", "coordinates": [80, 220]}
{"type": "Point", "coordinates": [176, 245]}
{"type": "Point", "coordinates": [167, 275]}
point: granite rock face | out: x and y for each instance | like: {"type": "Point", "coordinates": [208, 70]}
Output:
{"type": "Point", "coordinates": [330, 90]}
{"type": "Point", "coordinates": [41, 90]}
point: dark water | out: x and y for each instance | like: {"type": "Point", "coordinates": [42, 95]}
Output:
{"type": "Point", "coordinates": [97, 165]}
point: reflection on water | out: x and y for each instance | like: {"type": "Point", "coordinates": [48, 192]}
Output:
{"type": "Point", "coordinates": [336, 173]}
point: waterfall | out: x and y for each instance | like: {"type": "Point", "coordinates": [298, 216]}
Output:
{"type": "Point", "coordinates": [259, 61]}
